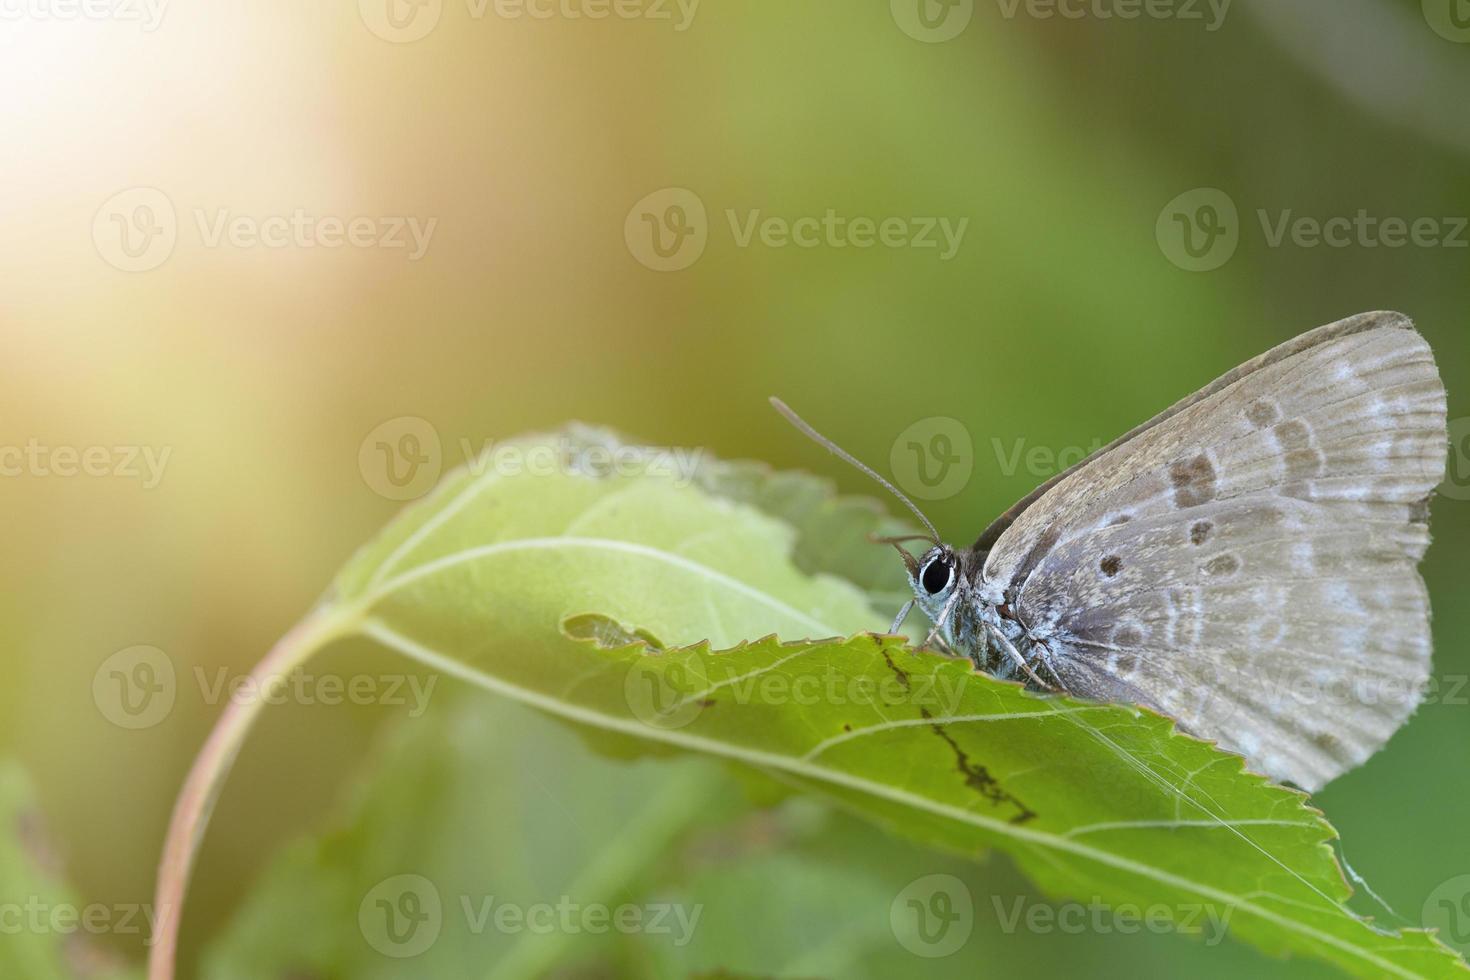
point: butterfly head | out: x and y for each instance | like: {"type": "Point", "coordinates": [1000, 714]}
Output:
{"type": "Point", "coordinates": [934, 576]}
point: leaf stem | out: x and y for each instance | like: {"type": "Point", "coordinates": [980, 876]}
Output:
{"type": "Point", "coordinates": [207, 777]}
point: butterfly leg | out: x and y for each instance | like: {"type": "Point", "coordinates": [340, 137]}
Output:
{"type": "Point", "coordinates": [942, 618]}
{"type": "Point", "coordinates": [1043, 653]}
{"type": "Point", "coordinates": [902, 615]}
{"type": "Point", "coordinates": [1009, 649]}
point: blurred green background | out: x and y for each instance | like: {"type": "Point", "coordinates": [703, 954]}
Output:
{"type": "Point", "coordinates": [1066, 314]}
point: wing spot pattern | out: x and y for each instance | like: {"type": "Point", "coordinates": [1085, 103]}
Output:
{"type": "Point", "coordinates": [1200, 532]}
{"type": "Point", "coordinates": [1262, 413]}
{"type": "Point", "coordinates": [1194, 481]}
{"type": "Point", "coordinates": [1301, 456]}
{"type": "Point", "coordinates": [1222, 566]}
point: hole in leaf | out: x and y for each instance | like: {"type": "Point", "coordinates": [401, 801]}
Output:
{"type": "Point", "coordinates": [607, 632]}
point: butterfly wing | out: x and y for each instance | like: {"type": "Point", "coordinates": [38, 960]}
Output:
{"type": "Point", "coordinates": [1246, 562]}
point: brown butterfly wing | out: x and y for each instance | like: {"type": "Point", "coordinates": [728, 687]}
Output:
{"type": "Point", "coordinates": [1247, 562]}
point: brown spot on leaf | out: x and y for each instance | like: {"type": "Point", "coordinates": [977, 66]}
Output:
{"type": "Point", "coordinates": [1111, 565]}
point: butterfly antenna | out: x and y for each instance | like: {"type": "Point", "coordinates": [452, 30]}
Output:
{"type": "Point", "coordinates": [846, 456]}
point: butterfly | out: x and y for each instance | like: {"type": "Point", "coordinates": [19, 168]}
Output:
{"type": "Point", "coordinates": [1245, 562]}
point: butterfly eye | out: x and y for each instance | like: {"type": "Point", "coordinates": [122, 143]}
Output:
{"type": "Point", "coordinates": [937, 575]}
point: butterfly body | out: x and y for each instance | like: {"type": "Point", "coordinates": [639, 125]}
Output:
{"type": "Point", "coordinates": [1245, 562]}
{"type": "Point", "coordinates": [974, 620]}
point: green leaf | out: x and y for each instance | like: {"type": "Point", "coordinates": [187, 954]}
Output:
{"type": "Point", "coordinates": [45, 933]}
{"type": "Point", "coordinates": [495, 805]}
{"type": "Point", "coordinates": [517, 582]}
{"type": "Point", "coordinates": [483, 810]}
